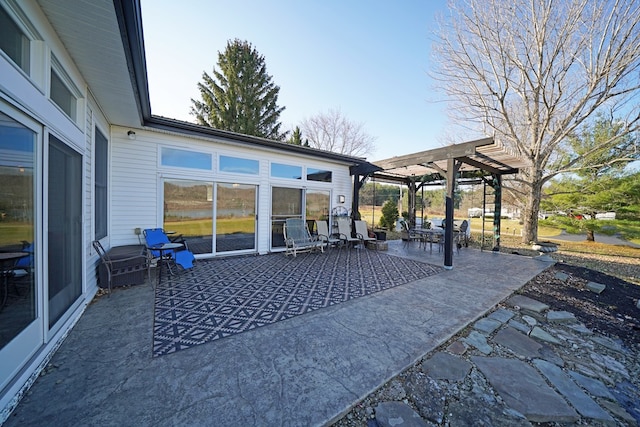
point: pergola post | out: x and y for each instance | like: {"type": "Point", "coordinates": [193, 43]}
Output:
{"type": "Point", "coordinates": [411, 197]}
{"type": "Point", "coordinates": [497, 210]}
{"type": "Point", "coordinates": [355, 201]}
{"type": "Point", "coordinates": [452, 171]}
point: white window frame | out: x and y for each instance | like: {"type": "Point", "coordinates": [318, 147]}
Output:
{"type": "Point", "coordinates": [56, 67]}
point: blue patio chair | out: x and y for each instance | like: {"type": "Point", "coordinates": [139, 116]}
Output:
{"type": "Point", "coordinates": [156, 237]}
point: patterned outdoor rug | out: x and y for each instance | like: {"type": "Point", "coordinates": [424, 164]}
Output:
{"type": "Point", "coordinates": [226, 296]}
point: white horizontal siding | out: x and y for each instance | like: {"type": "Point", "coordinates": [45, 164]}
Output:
{"type": "Point", "coordinates": [134, 191]}
{"type": "Point", "coordinates": [136, 194]}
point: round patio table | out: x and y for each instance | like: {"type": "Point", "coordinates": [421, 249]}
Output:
{"type": "Point", "coordinates": [7, 260]}
{"type": "Point", "coordinates": [162, 249]}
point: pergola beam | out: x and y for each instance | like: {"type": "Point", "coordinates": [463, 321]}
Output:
{"type": "Point", "coordinates": [431, 156]}
{"type": "Point", "coordinates": [473, 160]}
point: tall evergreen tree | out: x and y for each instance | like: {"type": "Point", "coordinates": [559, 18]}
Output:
{"type": "Point", "coordinates": [240, 97]}
{"type": "Point", "coordinates": [296, 138]}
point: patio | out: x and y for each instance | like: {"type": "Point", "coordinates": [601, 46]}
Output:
{"type": "Point", "coordinates": [305, 370]}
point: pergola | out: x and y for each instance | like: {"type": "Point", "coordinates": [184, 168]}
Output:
{"type": "Point", "coordinates": [483, 160]}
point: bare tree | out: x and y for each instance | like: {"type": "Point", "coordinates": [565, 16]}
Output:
{"type": "Point", "coordinates": [531, 72]}
{"type": "Point", "coordinates": [334, 132]}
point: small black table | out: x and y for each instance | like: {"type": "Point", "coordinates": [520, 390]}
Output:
{"type": "Point", "coordinates": [7, 260]}
{"type": "Point", "coordinates": [162, 249]}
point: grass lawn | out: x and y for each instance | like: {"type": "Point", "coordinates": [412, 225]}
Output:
{"type": "Point", "coordinates": [12, 233]}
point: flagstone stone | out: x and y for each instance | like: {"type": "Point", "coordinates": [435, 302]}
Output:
{"type": "Point", "coordinates": [518, 343]}
{"type": "Point", "coordinates": [543, 335]}
{"type": "Point", "coordinates": [479, 341]}
{"type": "Point", "coordinates": [397, 414]}
{"type": "Point", "coordinates": [596, 287]}
{"type": "Point", "coordinates": [560, 316]}
{"type": "Point", "coordinates": [527, 303]}
{"type": "Point", "coordinates": [524, 390]}
{"type": "Point", "coordinates": [502, 315]}
{"type": "Point", "coordinates": [445, 366]}
{"type": "Point", "coordinates": [592, 385]}
{"type": "Point", "coordinates": [486, 325]}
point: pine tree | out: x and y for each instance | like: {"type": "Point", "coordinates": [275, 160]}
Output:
{"type": "Point", "coordinates": [296, 138]}
{"type": "Point", "coordinates": [240, 97]}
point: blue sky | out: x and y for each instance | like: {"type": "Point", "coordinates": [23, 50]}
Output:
{"type": "Point", "coordinates": [369, 59]}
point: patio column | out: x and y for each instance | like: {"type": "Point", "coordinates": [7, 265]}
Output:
{"type": "Point", "coordinates": [411, 197]}
{"type": "Point", "coordinates": [497, 209]}
{"type": "Point", "coordinates": [452, 171]}
{"type": "Point", "coordinates": [355, 201]}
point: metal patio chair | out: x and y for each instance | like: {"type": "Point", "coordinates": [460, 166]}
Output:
{"type": "Point", "coordinates": [298, 239]}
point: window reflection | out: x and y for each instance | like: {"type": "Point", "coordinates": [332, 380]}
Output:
{"type": "Point", "coordinates": [279, 170]}
{"type": "Point", "coordinates": [17, 291]}
{"type": "Point", "coordinates": [319, 175]}
{"type": "Point", "coordinates": [185, 159]}
{"type": "Point", "coordinates": [239, 165]}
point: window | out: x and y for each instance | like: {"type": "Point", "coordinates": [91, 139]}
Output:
{"type": "Point", "coordinates": [318, 175]}
{"type": "Point", "coordinates": [185, 159]}
{"type": "Point", "coordinates": [14, 42]}
{"type": "Point", "coordinates": [278, 170]}
{"type": "Point", "coordinates": [101, 172]}
{"type": "Point", "coordinates": [62, 96]}
{"type": "Point", "coordinates": [239, 165]}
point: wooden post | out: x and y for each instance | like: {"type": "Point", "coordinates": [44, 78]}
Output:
{"type": "Point", "coordinates": [452, 171]}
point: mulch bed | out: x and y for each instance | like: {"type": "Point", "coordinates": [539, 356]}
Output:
{"type": "Point", "coordinates": [613, 312]}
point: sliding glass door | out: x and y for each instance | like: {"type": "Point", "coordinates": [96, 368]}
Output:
{"type": "Point", "coordinates": [235, 217]}
{"type": "Point", "coordinates": [289, 202]}
{"type": "Point", "coordinates": [317, 206]}
{"type": "Point", "coordinates": [21, 331]}
{"type": "Point", "coordinates": [64, 228]}
{"type": "Point", "coordinates": [188, 210]}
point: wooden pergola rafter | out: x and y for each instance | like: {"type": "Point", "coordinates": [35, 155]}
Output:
{"type": "Point", "coordinates": [473, 161]}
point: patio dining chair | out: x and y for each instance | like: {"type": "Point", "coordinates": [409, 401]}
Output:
{"type": "Point", "coordinates": [345, 232]}
{"type": "Point", "coordinates": [362, 233]}
{"type": "Point", "coordinates": [462, 235]}
{"type": "Point", "coordinates": [433, 237]}
{"type": "Point", "coordinates": [324, 236]}
{"type": "Point", "coordinates": [409, 235]}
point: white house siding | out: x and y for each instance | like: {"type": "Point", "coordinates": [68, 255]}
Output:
{"type": "Point", "coordinates": [136, 193]}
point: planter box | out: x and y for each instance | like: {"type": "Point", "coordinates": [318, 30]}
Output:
{"type": "Point", "coordinates": [379, 245]}
{"type": "Point", "coordinates": [380, 235]}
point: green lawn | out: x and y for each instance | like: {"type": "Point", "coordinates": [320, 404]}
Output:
{"type": "Point", "coordinates": [203, 227]}
{"type": "Point", "coordinates": [13, 233]}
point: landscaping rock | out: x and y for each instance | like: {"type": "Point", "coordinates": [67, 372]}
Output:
{"type": "Point", "coordinates": [397, 414]}
{"type": "Point", "coordinates": [596, 287]}
{"type": "Point", "coordinates": [527, 303]}
{"type": "Point", "coordinates": [444, 366]}
{"type": "Point", "coordinates": [543, 335]}
{"type": "Point", "coordinates": [560, 316]}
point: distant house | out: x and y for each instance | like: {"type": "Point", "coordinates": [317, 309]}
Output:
{"type": "Point", "coordinates": [82, 159]}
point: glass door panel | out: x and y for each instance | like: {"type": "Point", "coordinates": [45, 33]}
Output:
{"type": "Point", "coordinates": [317, 207]}
{"type": "Point", "coordinates": [188, 210]}
{"type": "Point", "coordinates": [20, 331]}
{"type": "Point", "coordinates": [285, 203]}
{"type": "Point", "coordinates": [235, 217]}
{"type": "Point", "coordinates": [64, 228]}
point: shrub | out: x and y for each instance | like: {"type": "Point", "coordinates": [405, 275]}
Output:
{"type": "Point", "coordinates": [389, 215]}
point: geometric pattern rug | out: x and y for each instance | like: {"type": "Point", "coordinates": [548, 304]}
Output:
{"type": "Point", "coordinates": [226, 296]}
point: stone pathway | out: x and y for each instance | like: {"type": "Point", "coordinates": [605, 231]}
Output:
{"type": "Point", "coordinates": [523, 363]}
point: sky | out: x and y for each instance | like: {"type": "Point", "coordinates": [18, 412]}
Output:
{"type": "Point", "coordinates": [367, 59]}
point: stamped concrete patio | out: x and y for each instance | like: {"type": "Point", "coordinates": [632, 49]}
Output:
{"type": "Point", "coordinates": [306, 370]}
